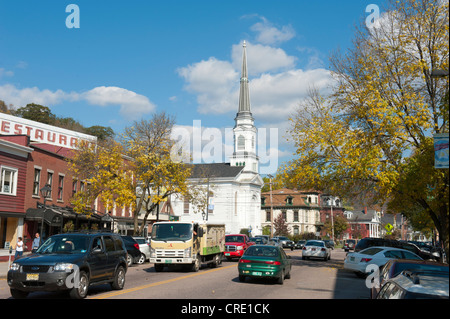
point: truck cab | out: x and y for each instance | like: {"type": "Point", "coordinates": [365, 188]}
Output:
{"type": "Point", "coordinates": [236, 245]}
{"type": "Point", "coordinates": [188, 244]}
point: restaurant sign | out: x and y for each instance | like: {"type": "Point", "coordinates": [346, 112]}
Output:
{"type": "Point", "coordinates": [40, 132]}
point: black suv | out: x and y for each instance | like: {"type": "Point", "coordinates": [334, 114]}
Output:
{"type": "Point", "coordinates": [370, 242]}
{"type": "Point", "coordinates": [73, 262]}
{"type": "Point", "coordinates": [133, 250]}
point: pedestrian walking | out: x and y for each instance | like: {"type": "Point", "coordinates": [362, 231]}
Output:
{"type": "Point", "coordinates": [36, 243]}
{"type": "Point", "coordinates": [19, 248]}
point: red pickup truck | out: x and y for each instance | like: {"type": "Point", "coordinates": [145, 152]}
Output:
{"type": "Point", "coordinates": [235, 245]}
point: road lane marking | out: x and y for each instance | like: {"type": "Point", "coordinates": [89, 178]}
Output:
{"type": "Point", "coordinates": [125, 291]}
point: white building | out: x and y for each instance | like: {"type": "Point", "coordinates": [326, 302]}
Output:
{"type": "Point", "coordinates": [235, 187]}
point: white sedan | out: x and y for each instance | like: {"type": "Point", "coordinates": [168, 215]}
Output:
{"type": "Point", "coordinates": [316, 248]}
{"type": "Point", "coordinates": [378, 256]}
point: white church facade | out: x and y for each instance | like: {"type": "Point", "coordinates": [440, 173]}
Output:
{"type": "Point", "coordinates": [233, 189]}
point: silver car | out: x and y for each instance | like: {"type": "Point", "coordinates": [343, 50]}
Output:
{"type": "Point", "coordinates": [144, 247]}
{"type": "Point", "coordinates": [316, 249]}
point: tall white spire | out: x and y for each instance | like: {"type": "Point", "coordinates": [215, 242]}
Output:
{"type": "Point", "coordinates": [244, 94]}
{"type": "Point", "coordinates": [244, 130]}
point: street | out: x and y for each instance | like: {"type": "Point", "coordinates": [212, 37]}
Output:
{"type": "Point", "coordinates": [310, 279]}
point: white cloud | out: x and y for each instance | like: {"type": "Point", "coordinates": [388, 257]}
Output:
{"type": "Point", "coordinates": [132, 105]}
{"type": "Point", "coordinates": [4, 73]}
{"type": "Point", "coordinates": [262, 58]}
{"type": "Point", "coordinates": [21, 97]}
{"type": "Point", "coordinates": [269, 34]}
{"type": "Point", "coordinates": [214, 82]}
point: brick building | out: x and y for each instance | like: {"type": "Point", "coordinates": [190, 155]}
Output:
{"type": "Point", "coordinates": [28, 163]}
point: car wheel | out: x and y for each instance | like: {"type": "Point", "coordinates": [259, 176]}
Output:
{"type": "Point", "coordinates": [129, 260]}
{"type": "Point", "coordinates": [141, 259]}
{"type": "Point", "coordinates": [281, 278]}
{"type": "Point", "coordinates": [18, 294]}
{"type": "Point", "coordinates": [216, 262]}
{"type": "Point", "coordinates": [288, 275]}
{"type": "Point", "coordinates": [119, 279]}
{"type": "Point", "coordinates": [80, 290]}
{"type": "Point", "coordinates": [196, 265]}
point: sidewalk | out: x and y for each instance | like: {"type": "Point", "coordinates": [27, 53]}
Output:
{"type": "Point", "coordinates": [5, 261]}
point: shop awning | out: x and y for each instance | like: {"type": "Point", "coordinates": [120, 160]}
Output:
{"type": "Point", "coordinates": [50, 216]}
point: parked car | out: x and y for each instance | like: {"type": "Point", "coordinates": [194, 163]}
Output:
{"type": "Point", "coordinates": [416, 285]}
{"type": "Point", "coordinates": [285, 242]}
{"type": "Point", "coordinates": [259, 240]}
{"type": "Point", "coordinates": [379, 256]}
{"type": "Point", "coordinates": [264, 261]}
{"type": "Point", "coordinates": [72, 262]}
{"type": "Point", "coordinates": [236, 245]}
{"type": "Point", "coordinates": [144, 247]}
{"type": "Point", "coordinates": [370, 242]}
{"type": "Point", "coordinates": [349, 244]}
{"type": "Point", "coordinates": [274, 242]}
{"type": "Point", "coordinates": [329, 243]}
{"type": "Point", "coordinates": [395, 266]}
{"type": "Point", "coordinates": [132, 247]}
{"type": "Point", "coordinates": [316, 249]}
{"type": "Point", "coordinates": [300, 244]}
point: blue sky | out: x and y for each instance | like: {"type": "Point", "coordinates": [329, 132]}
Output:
{"type": "Point", "coordinates": [130, 59]}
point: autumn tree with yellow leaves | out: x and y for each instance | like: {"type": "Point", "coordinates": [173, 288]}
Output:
{"type": "Point", "coordinates": [135, 172]}
{"type": "Point", "coordinates": [371, 140]}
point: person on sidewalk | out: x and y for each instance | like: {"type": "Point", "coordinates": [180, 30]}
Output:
{"type": "Point", "coordinates": [36, 243]}
{"type": "Point", "coordinates": [19, 248]}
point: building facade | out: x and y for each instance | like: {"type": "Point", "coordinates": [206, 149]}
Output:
{"type": "Point", "coordinates": [35, 161]}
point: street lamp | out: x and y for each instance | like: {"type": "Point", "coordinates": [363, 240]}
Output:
{"type": "Point", "coordinates": [271, 207]}
{"type": "Point", "coordinates": [45, 192]}
{"type": "Point", "coordinates": [332, 203]}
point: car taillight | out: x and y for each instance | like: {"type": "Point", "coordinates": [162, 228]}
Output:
{"type": "Point", "coordinates": [365, 260]}
{"type": "Point", "coordinates": [136, 246]}
{"type": "Point", "coordinates": [323, 249]}
{"type": "Point", "coordinates": [304, 248]}
{"type": "Point", "coordinates": [244, 261]}
{"type": "Point", "coordinates": [273, 263]}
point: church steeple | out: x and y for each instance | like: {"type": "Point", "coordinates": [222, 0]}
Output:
{"type": "Point", "coordinates": [244, 130]}
{"type": "Point", "coordinates": [244, 95]}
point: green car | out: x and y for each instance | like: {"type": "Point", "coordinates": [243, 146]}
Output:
{"type": "Point", "coordinates": [266, 261]}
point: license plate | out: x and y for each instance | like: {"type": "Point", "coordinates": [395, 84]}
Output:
{"type": "Point", "coordinates": [32, 276]}
{"type": "Point", "coordinates": [257, 273]}
{"type": "Point", "coordinates": [313, 249]}
{"type": "Point", "coordinates": [352, 258]}
{"type": "Point", "coordinates": [227, 254]}
{"type": "Point", "coordinates": [168, 261]}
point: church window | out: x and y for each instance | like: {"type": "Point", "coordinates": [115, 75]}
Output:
{"type": "Point", "coordinates": [241, 142]}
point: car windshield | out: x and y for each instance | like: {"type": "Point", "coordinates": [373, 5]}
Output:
{"type": "Point", "coordinates": [257, 240]}
{"type": "Point", "coordinates": [69, 244]}
{"type": "Point", "coordinates": [234, 239]}
{"type": "Point", "coordinates": [315, 243]}
{"type": "Point", "coordinates": [437, 269]}
{"type": "Point", "coordinates": [261, 251]}
{"type": "Point", "coordinates": [172, 231]}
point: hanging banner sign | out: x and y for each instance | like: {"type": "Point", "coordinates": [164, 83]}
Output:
{"type": "Point", "coordinates": [441, 156]}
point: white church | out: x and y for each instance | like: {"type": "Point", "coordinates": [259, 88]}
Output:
{"type": "Point", "coordinates": [234, 188]}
